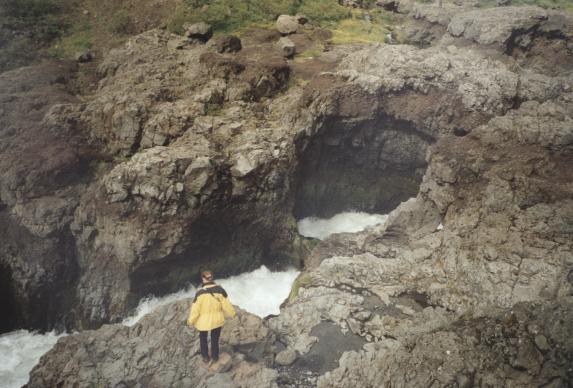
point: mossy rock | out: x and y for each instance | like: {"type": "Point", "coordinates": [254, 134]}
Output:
{"type": "Point", "coordinates": [303, 280]}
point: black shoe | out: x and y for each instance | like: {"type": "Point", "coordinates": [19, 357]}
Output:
{"type": "Point", "coordinates": [205, 359]}
{"type": "Point", "coordinates": [215, 359]}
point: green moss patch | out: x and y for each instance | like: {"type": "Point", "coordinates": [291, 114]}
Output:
{"type": "Point", "coordinates": [303, 280]}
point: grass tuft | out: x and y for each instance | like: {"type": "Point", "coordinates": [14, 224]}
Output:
{"type": "Point", "coordinates": [79, 39]}
{"type": "Point", "coordinates": [358, 31]}
{"type": "Point", "coordinates": [234, 15]}
{"type": "Point", "coordinates": [122, 23]}
{"type": "Point", "coordinates": [363, 27]}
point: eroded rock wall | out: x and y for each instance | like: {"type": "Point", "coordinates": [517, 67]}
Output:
{"type": "Point", "coordinates": [43, 169]}
{"type": "Point", "coordinates": [202, 158]}
{"type": "Point", "coordinates": [469, 283]}
{"type": "Point", "coordinates": [490, 230]}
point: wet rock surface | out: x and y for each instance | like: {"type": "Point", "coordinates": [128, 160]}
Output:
{"type": "Point", "coordinates": [203, 155]}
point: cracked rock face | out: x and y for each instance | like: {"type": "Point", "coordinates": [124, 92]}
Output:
{"type": "Point", "coordinates": [469, 352]}
{"type": "Point", "coordinates": [185, 156]}
{"type": "Point", "coordinates": [468, 283]}
{"type": "Point", "coordinates": [489, 230]}
{"type": "Point", "coordinates": [535, 37]}
{"type": "Point", "coordinates": [462, 303]}
{"type": "Point", "coordinates": [43, 167]}
{"type": "Point", "coordinates": [158, 351]}
{"type": "Point", "coordinates": [203, 157]}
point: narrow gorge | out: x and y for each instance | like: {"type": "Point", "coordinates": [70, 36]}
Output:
{"type": "Point", "coordinates": [125, 175]}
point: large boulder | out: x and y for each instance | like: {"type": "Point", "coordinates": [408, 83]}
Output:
{"type": "Point", "coordinates": [434, 14]}
{"type": "Point", "coordinates": [287, 47]}
{"type": "Point", "coordinates": [496, 26]}
{"type": "Point", "coordinates": [459, 71]}
{"type": "Point", "coordinates": [399, 6]}
{"type": "Point", "coordinates": [228, 44]}
{"type": "Point", "coordinates": [287, 24]}
{"type": "Point", "coordinates": [199, 31]}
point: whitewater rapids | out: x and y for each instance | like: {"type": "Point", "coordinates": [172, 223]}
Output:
{"type": "Point", "coordinates": [260, 292]}
{"type": "Point", "coordinates": [347, 222]}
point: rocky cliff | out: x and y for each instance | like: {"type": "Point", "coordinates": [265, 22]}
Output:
{"type": "Point", "coordinates": [189, 154]}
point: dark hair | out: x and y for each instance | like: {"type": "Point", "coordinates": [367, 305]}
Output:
{"type": "Point", "coordinates": [207, 275]}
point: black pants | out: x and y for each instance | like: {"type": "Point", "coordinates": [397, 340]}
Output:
{"type": "Point", "coordinates": [215, 333]}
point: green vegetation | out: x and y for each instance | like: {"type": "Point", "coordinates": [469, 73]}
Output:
{"type": "Point", "coordinates": [233, 15]}
{"type": "Point", "coordinates": [78, 39]}
{"type": "Point", "coordinates": [363, 28]}
{"type": "Point", "coordinates": [348, 26]}
{"type": "Point", "coordinates": [28, 25]}
{"type": "Point", "coordinates": [30, 29]}
{"type": "Point", "coordinates": [176, 21]}
{"type": "Point", "coordinates": [313, 52]}
{"type": "Point", "coordinates": [323, 11]}
{"type": "Point", "coordinates": [358, 31]}
{"type": "Point", "coordinates": [121, 23]}
{"type": "Point", "coordinates": [303, 280]}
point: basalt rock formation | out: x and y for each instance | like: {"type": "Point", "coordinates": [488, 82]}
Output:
{"type": "Point", "coordinates": [470, 266]}
{"type": "Point", "coordinates": [203, 157]}
{"type": "Point", "coordinates": [45, 168]}
{"type": "Point", "coordinates": [160, 352]}
{"type": "Point", "coordinates": [211, 156]}
{"type": "Point", "coordinates": [173, 184]}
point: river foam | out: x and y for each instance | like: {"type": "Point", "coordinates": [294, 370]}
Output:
{"type": "Point", "coordinates": [260, 292]}
{"type": "Point", "coordinates": [347, 222]}
{"type": "Point", "coordinates": [20, 351]}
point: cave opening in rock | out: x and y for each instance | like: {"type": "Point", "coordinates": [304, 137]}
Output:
{"type": "Point", "coordinates": [359, 165]}
{"type": "Point", "coordinates": [224, 242]}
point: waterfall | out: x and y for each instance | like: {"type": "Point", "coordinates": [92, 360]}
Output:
{"type": "Point", "coordinates": [347, 222]}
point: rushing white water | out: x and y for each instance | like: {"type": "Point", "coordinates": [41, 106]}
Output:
{"type": "Point", "coordinates": [19, 352]}
{"type": "Point", "coordinates": [259, 292]}
{"type": "Point", "coordinates": [349, 222]}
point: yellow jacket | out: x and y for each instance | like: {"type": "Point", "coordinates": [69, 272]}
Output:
{"type": "Point", "coordinates": [209, 308]}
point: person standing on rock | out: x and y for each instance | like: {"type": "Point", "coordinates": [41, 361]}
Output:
{"type": "Point", "coordinates": [207, 314]}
